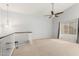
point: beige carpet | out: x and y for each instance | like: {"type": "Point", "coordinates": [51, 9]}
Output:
{"type": "Point", "coordinates": [48, 47]}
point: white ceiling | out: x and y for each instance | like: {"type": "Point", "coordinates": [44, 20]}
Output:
{"type": "Point", "coordinates": [36, 8]}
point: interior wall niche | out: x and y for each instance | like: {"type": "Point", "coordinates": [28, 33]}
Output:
{"type": "Point", "coordinates": [68, 30]}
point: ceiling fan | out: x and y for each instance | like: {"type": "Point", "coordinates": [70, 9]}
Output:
{"type": "Point", "coordinates": [52, 12]}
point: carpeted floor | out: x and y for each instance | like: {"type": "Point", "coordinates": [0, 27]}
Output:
{"type": "Point", "coordinates": [48, 47]}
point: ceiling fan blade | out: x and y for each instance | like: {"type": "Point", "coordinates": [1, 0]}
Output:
{"type": "Point", "coordinates": [52, 11]}
{"type": "Point", "coordinates": [56, 16]}
{"type": "Point", "coordinates": [59, 13]}
{"type": "Point", "coordinates": [50, 16]}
